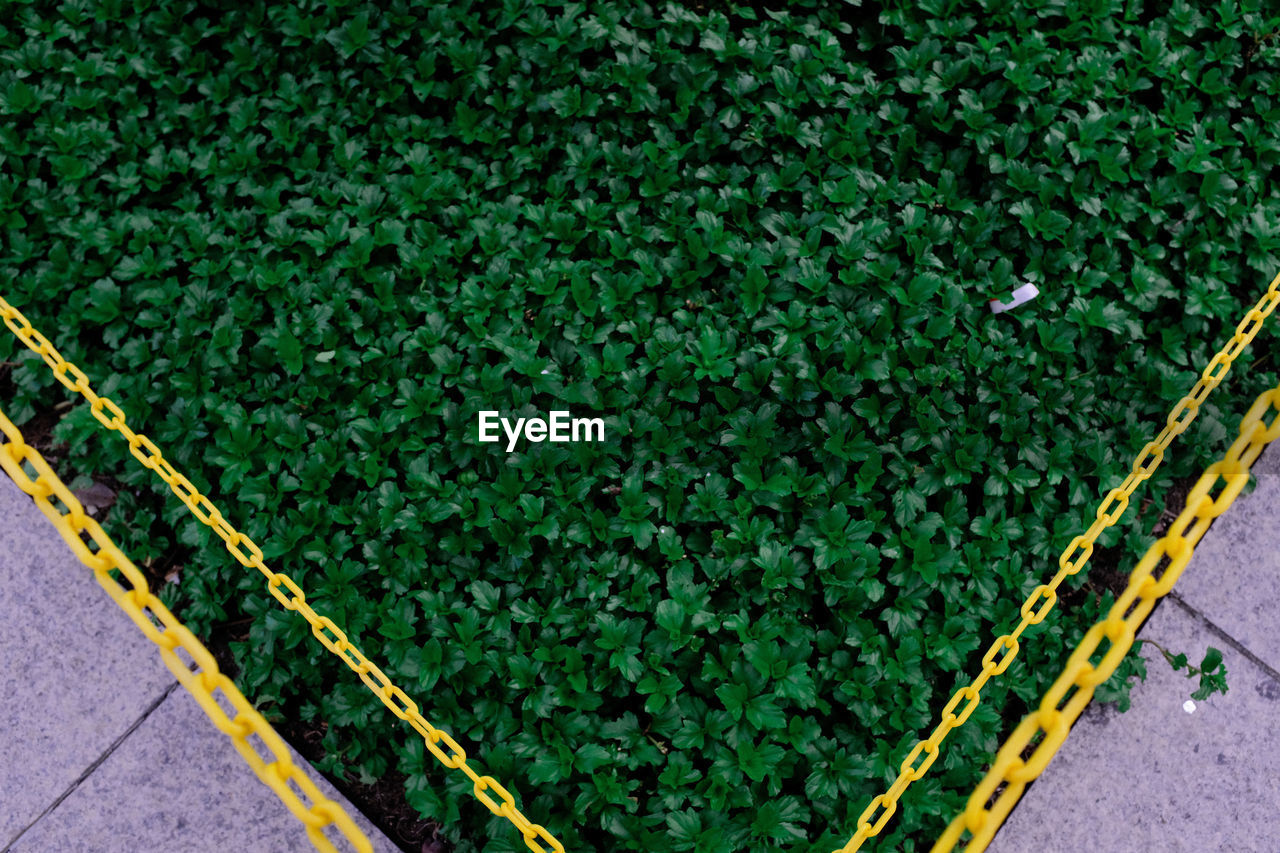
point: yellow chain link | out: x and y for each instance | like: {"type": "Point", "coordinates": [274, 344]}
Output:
{"type": "Point", "coordinates": [1072, 560]}
{"type": "Point", "coordinates": [1053, 718]}
{"type": "Point", "coordinates": [163, 628]}
{"type": "Point", "coordinates": [292, 598]}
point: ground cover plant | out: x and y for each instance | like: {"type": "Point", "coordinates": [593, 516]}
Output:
{"type": "Point", "coordinates": [304, 245]}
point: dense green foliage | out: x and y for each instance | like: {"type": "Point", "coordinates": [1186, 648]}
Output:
{"type": "Point", "coordinates": [303, 247]}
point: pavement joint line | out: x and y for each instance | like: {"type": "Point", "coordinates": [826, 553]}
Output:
{"type": "Point", "coordinates": [1226, 638]}
{"type": "Point", "coordinates": [88, 771]}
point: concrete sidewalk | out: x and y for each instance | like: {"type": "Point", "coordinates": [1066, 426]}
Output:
{"type": "Point", "coordinates": [1164, 775]}
{"type": "Point", "coordinates": [103, 751]}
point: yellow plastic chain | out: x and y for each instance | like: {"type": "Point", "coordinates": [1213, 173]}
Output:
{"type": "Point", "coordinates": [1073, 559]}
{"type": "Point", "coordinates": [324, 628]}
{"type": "Point", "coordinates": [1055, 719]}
{"type": "Point", "coordinates": [163, 628]}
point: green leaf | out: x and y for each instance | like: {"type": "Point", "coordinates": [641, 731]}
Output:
{"type": "Point", "coordinates": [685, 826]}
{"type": "Point", "coordinates": [1217, 188]}
{"type": "Point", "coordinates": [1022, 478]}
{"type": "Point", "coordinates": [290, 351]}
{"type": "Point", "coordinates": [1056, 337]}
{"type": "Point", "coordinates": [754, 285]}
{"type": "Point", "coordinates": [103, 304]}
{"type": "Point", "coordinates": [923, 287]}
{"type": "Point", "coordinates": [670, 616]}
{"type": "Point", "coordinates": [763, 713]}
{"type": "Point", "coordinates": [20, 98]}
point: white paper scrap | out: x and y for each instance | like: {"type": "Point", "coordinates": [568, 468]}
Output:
{"type": "Point", "coordinates": [1189, 706]}
{"type": "Point", "coordinates": [1023, 294]}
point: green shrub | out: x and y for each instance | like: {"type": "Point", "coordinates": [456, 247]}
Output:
{"type": "Point", "coordinates": [304, 246]}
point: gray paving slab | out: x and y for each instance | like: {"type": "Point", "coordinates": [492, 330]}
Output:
{"type": "Point", "coordinates": [1157, 777]}
{"type": "Point", "coordinates": [103, 751]}
{"type": "Point", "coordinates": [1237, 564]}
{"type": "Point", "coordinates": [176, 785]}
{"type": "Point", "coordinates": [75, 673]}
